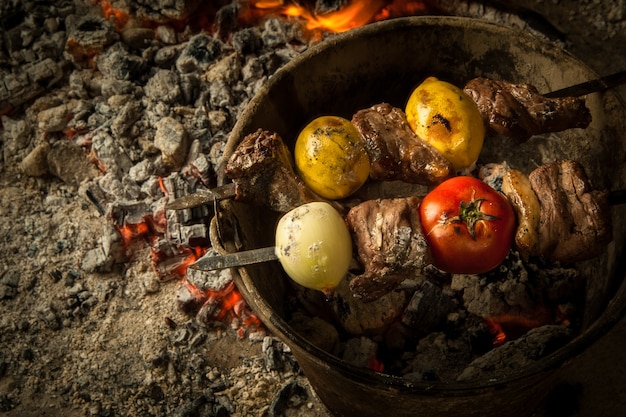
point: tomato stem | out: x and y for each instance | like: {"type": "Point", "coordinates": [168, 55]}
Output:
{"type": "Point", "coordinates": [470, 215]}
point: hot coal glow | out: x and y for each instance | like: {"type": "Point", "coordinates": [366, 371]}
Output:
{"type": "Point", "coordinates": [351, 15]}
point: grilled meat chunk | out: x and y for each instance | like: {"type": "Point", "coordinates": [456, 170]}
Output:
{"type": "Point", "coordinates": [516, 186]}
{"type": "Point", "coordinates": [519, 111]}
{"type": "Point", "coordinates": [575, 222]}
{"type": "Point", "coordinates": [261, 168]}
{"type": "Point", "coordinates": [395, 152]}
{"type": "Point", "coordinates": [390, 244]}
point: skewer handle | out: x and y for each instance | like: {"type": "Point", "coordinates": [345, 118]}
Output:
{"type": "Point", "coordinates": [202, 197]}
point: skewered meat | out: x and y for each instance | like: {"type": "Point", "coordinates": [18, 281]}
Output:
{"type": "Point", "coordinates": [519, 111]}
{"type": "Point", "coordinates": [574, 223]}
{"type": "Point", "coordinates": [390, 243]}
{"type": "Point", "coordinates": [395, 152]}
{"type": "Point", "coordinates": [263, 174]}
{"type": "Point", "coordinates": [516, 186]}
{"type": "Point", "coordinates": [560, 218]}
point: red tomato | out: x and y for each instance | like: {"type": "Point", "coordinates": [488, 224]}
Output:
{"type": "Point", "coordinates": [469, 226]}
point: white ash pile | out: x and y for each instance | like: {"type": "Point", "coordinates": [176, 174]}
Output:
{"type": "Point", "coordinates": [132, 115]}
{"type": "Point", "coordinates": [105, 115]}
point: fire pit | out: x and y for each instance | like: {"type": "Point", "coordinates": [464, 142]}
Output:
{"type": "Point", "coordinates": [383, 62]}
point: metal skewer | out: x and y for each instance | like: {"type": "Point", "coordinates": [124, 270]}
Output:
{"type": "Point", "coordinates": [228, 190]}
{"type": "Point", "coordinates": [588, 87]}
{"type": "Point", "coordinates": [253, 256]}
{"type": "Point", "coordinates": [202, 197]}
{"type": "Point", "coordinates": [235, 259]}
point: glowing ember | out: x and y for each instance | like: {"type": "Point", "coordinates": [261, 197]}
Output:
{"type": "Point", "coordinates": [119, 17]}
{"type": "Point", "coordinates": [495, 329]}
{"type": "Point", "coordinates": [375, 365]}
{"type": "Point", "coordinates": [170, 261]}
{"type": "Point", "coordinates": [224, 305]}
{"type": "Point", "coordinates": [511, 326]}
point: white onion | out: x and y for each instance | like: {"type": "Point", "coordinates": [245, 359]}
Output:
{"type": "Point", "coordinates": [314, 246]}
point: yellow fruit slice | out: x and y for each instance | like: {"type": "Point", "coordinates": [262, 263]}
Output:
{"type": "Point", "coordinates": [331, 158]}
{"type": "Point", "coordinates": [447, 118]}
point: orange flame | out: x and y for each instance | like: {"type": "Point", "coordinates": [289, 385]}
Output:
{"type": "Point", "coordinates": [354, 14]}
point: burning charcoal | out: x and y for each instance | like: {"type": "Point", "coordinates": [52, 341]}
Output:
{"type": "Point", "coordinates": [193, 408]}
{"type": "Point", "coordinates": [201, 168]}
{"type": "Point", "coordinates": [318, 332]}
{"type": "Point", "coordinates": [110, 154]}
{"type": "Point", "coordinates": [166, 56]}
{"type": "Point", "coordinates": [358, 317]}
{"type": "Point", "coordinates": [142, 171]}
{"type": "Point", "coordinates": [361, 352]}
{"type": "Point", "coordinates": [561, 284]}
{"type": "Point", "coordinates": [201, 51]}
{"type": "Point", "coordinates": [54, 119]}
{"type": "Point", "coordinates": [16, 135]}
{"type": "Point", "coordinates": [275, 33]}
{"type": "Point", "coordinates": [126, 117]}
{"type": "Point", "coordinates": [439, 358]}
{"type": "Point", "coordinates": [172, 140]}
{"type": "Point", "coordinates": [226, 19]}
{"type": "Point", "coordinates": [167, 35]}
{"type": "Point", "coordinates": [67, 162]}
{"type": "Point", "coordinates": [273, 357]}
{"type": "Point", "coordinates": [505, 292]}
{"type": "Point", "coordinates": [119, 64]}
{"type": "Point", "coordinates": [209, 280]}
{"type": "Point", "coordinates": [247, 41]}
{"type": "Point", "coordinates": [290, 395]}
{"type": "Point", "coordinates": [27, 83]}
{"type": "Point", "coordinates": [189, 299]}
{"type": "Point", "coordinates": [138, 38]}
{"type": "Point", "coordinates": [520, 353]}
{"type": "Point", "coordinates": [95, 260]}
{"type": "Point", "coordinates": [227, 69]}
{"type": "Point", "coordinates": [128, 213]}
{"type": "Point", "coordinates": [328, 6]}
{"type": "Point", "coordinates": [164, 10]}
{"type": "Point", "coordinates": [428, 308]}
{"type": "Point", "coordinates": [35, 164]}
{"type": "Point", "coordinates": [164, 86]}
{"type": "Point", "coordinates": [88, 36]}
{"type": "Point", "coordinates": [220, 94]}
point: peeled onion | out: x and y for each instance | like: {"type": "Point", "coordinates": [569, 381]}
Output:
{"type": "Point", "coordinates": [314, 246]}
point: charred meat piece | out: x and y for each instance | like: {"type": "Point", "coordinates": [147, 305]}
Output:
{"type": "Point", "coordinates": [396, 153]}
{"type": "Point", "coordinates": [575, 222]}
{"type": "Point", "coordinates": [261, 168]}
{"type": "Point", "coordinates": [516, 186]}
{"type": "Point", "coordinates": [390, 244]}
{"type": "Point", "coordinates": [519, 111]}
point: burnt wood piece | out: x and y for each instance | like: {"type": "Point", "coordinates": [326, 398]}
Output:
{"type": "Point", "coordinates": [519, 111]}
{"type": "Point", "coordinates": [396, 153]}
{"type": "Point", "coordinates": [390, 243]}
{"type": "Point", "coordinates": [263, 174]}
{"type": "Point", "coordinates": [28, 82]}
